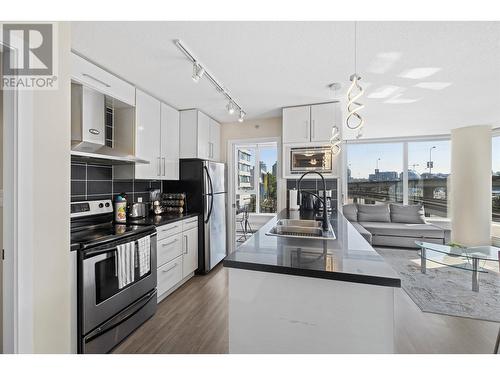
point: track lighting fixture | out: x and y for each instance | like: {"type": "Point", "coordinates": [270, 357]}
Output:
{"type": "Point", "coordinates": [198, 71]}
{"type": "Point", "coordinates": [230, 107]}
{"type": "Point", "coordinates": [242, 116]}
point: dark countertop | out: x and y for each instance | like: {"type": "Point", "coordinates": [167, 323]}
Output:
{"type": "Point", "coordinates": [347, 258]}
{"type": "Point", "coordinates": [159, 220]}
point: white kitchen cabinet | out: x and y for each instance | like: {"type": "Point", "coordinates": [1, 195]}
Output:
{"type": "Point", "coordinates": [147, 140]}
{"type": "Point", "coordinates": [168, 276]}
{"type": "Point", "coordinates": [296, 124]}
{"type": "Point", "coordinates": [88, 74]}
{"type": "Point", "coordinates": [199, 136]}
{"type": "Point", "coordinates": [322, 121]}
{"type": "Point", "coordinates": [189, 251]}
{"type": "Point", "coordinates": [156, 140]}
{"type": "Point", "coordinates": [177, 254]}
{"type": "Point", "coordinates": [214, 140]}
{"type": "Point", "coordinates": [310, 123]}
{"type": "Point", "coordinates": [169, 142]}
{"type": "Point", "coordinates": [168, 249]}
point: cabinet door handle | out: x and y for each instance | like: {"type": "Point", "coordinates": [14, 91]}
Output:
{"type": "Point", "coordinates": [164, 167]}
{"type": "Point", "coordinates": [159, 166]}
{"type": "Point", "coordinates": [95, 79]}
{"type": "Point", "coordinates": [186, 242]}
{"type": "Point", "coordinates": [307, 129]}
{"type": "Point", "coordinates": [171, 268]}
{"type": "Point", "coordinates": [169, 243]}
{"type": "Point", "coordinates": [171, 228]}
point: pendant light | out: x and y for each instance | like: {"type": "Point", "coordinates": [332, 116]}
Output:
{"type": "Point", "coordinates": [354, 120]}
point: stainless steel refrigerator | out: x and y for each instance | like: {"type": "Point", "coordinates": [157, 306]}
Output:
{"type": "Point", "coordinates": [204, 183]}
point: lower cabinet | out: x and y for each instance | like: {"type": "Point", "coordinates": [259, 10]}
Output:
{"type": "Point", "coordinates": [169, 275]}
{"type": "Point", "coordinates": [190, 252]}
{"type": "Point", "coordinates": [177, 255]}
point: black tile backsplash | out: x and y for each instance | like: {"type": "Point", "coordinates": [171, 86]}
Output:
{"type": "Point", "coordinates": [78, 172]}
{"type": "Point", "coordinates": [99, 172]}
{"type": "Point", "coordinates": [95, 182]}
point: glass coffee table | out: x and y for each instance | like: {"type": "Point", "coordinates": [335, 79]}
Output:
{"type": "Point", "coordinates": [467, 258]}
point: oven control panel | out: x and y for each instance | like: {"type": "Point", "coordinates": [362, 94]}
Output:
{"type": "Point", "coordinates": [89, 208]}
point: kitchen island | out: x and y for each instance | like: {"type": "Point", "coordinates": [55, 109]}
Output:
{"type": "Point", "coordinates": [302, 295]}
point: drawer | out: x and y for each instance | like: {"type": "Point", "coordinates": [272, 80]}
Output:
{"type": "Point", "coordinates": [190, 223]}
{"type": "Point", "coordinates": [168, 249]}
{"type": "Point", "coordinates": [168, 230]}
{"type": "Point", "coordinates": [169, 275]}
{"type": "Point", "coordinates": [92, 76]}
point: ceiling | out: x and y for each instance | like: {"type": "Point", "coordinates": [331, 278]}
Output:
{"type": "Point", "coordinates": [420, 77]}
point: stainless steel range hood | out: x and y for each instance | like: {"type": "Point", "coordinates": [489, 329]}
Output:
{"type": "Point", "coordinates": [88, 129]}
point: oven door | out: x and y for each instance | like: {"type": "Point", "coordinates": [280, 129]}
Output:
{"type": "Point", "coordinates": [307, 159]}
{"type": "Point", "coordinates": [101, 298]}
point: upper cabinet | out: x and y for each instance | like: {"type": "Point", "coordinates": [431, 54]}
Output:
{"type": "Point", "coordinates": [310, 123]}
{"type": "Point", "coordinates": [92, 76]}
{"type": "Point", "coordinates": [214, 140]}
{"type": "Point", "coordinates": [148, 136]}
{"type": "Point", "coordinates": [156, 140]}
{"type": "Point", "coordinates": [169, 142]}
{"type": "Point", "coordinates": [297, 124]}
{"type": "Point", "coordinates": [199, 136]}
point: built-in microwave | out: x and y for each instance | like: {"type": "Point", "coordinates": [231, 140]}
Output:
{"type": "Point", "coordinates": [305, 159]}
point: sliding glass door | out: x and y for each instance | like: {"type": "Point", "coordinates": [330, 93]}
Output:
{"type": "Point", "coordinates": [256, 177]}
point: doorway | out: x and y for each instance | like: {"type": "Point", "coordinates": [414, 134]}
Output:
{"type": "Point", "coordinates": [254, 187]}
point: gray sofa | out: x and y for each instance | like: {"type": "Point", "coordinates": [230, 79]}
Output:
{"type": "Point", "coordinates": [393, 225]}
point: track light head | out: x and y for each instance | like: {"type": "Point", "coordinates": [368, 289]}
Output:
{"type": "Point", "coordinates": [198, 71]}
{"type": "Point", "coordinates": [242, 116]}
{"type": "Point", "coordinates": [230, 107]}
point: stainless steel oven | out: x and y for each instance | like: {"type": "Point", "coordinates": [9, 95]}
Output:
{"type": "Point", "coordinates": [109, 313]}
{"type": "Point", "coordinates": [305, 159]}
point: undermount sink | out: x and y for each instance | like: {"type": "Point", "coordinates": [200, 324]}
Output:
{"type": "Point", "coordinates": [299, 223]}
{"type": "Point", "coordinates": [309, 229]}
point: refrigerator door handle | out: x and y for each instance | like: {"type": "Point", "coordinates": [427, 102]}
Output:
{"type": "Point", "coordinates": [211, 194]}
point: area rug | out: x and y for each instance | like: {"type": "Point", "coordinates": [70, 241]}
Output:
{"type": "Point", "coordinates": [446, 290]}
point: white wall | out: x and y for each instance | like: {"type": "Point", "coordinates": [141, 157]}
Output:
{"type": "Point", "coordinates": [264, 128]}
{"type": "Point", "coordinates": [470, 198]}
{"type": "Point", "coordinates": [51, 192]}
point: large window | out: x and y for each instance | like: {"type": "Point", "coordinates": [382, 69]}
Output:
{"type": "Point", "coordinates": [495, 178]}
{"type": "Point", "coordinates": [429, 168]}
{"type": "Point", "coordinates": [375, 172]}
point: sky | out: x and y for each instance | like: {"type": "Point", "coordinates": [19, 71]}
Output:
{"type": "Point", "coordinates": [363, 157]}
{"type": "Point", "coordinates": [269, 156]}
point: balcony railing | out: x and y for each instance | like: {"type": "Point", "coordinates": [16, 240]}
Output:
{"type": "Point", "coordinates": [431, 192]}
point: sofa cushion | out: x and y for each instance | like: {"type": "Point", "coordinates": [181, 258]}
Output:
{"type": "Point", "coordinates": [350, 212]}
{"type": "Point", "coordinates": [403, 230]}
{"type": "Point", "coordinates": [411, 214]}
{"type": "Point", "coordinates": [366, 235]}
{"type": "Point", "coordinates": [374, 212]}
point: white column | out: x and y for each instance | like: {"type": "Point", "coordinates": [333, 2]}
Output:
{"type": "Point", "coordinates": [470, 198]}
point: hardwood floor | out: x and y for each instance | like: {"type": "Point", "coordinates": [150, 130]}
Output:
{"type": "Point", "coordinates": [194, 319]}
